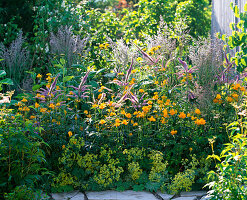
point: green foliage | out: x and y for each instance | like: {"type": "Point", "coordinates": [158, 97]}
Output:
{"type": "Point", "coordinates": [229, 180]}
{"type": "Point", "coordinates": [21, 156]}
{"type": "Point", "coordinates": [5, 81]}
{"type": "Point", "coordinates": [237, 40]}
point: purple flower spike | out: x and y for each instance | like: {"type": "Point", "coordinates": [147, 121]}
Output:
{"type": "Point", "coordinates": [184, 64]}
{"type": "Point", "coordinates": [129, 71]}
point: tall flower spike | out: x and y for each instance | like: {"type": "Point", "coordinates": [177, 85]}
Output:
{"type": "Point", "coordinates": [129, 71]}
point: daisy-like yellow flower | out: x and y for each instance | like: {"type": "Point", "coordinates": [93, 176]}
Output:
{"type": "Point", "coordinates": [145, 109]}
{"type": "Point", "coordinates": [182, 115]}
{"type": "Point", "coordinates": [102, 106]}
{"type": "Point", "coordinates": [36, 105]}
{"type": "Point", "coordinates": [173, 112]}
{"type": "Point", "coordinates": [200, 122]}
{"type": "Point", "coordinates": [43, 110]}
{"type": "Point", "coordinates": [165, 113]}
{"type": "Point", "coordinates": [52, 106]}
{"type": "Point", "coordinates": [32, 117]}
{"type": "Point", "coordinates": [141, 90]}
{"type": "Point", "coordinates": [197, 111]}
{"type": "Point", "coordinates": [229, 99]}
{"type": "Point", "coordinates": [135, 124]}
{"type": "Point", "coordinates": [70, 133]}
{"type": "Point", "coordinates": [102, 122]}
{"type": "Point", "coordinates": [85, 112]}
{"type": "Point", "coordinates": [125, 122]}
{"type": "Point", "coordinates": [128, 115]}
{"type": "Point", "coordinates": [95, 105]}
{"type": "Point", "coordinates": [152, 119]}
{"type": "Point", "coordinates": [173, 132]}
{"type": "Point", "coordinates": [218, 96]}
{"type": "Point", "coordinates": [24, 100]}
{"type": "Point", "coordinates": [39, 76]}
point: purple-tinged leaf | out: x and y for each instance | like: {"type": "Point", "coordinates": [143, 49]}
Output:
{"type": "Point", "coordinates": [184, 64]}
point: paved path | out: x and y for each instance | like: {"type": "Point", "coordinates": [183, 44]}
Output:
{"type": "Point", "coordinates": [129, 195]}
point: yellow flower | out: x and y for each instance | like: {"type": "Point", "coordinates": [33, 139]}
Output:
{"type": "Point", "coordinates": [182, 115]}
{"type": "Point", "coordinates": [58, 104]}
{"type": "Point", "coordinates": [125, 122]}
{"type": "Point", "coordinates": [229, 99]}
{"type": "Point", "coordinates": [150, 102]}
{"type": "Point", "coordinates": [173, 112]}
{"type": "Point", "coordinates": [188, 115]}
{"type": "Point", "coordinates": [197, 111]}
{"type": "Point", "coordinates": [52, 106]}
{"type": "Point", "coordinates": [94, 105]}
{"type": "Point", "coordinates": [81, 128]}
{"type": "Point", "coordinates": [141, 90]}
{"type": "Point", "coordinates": [117, 120]}
{"type": "Point", "coordinates": [32, 117]}
{"type": "Point", "coordinates": [145, 109]}
{"type": "Point", "coordinates": [24, 100]}
{"type": "Point", "coordinates": [165, 113]}
{"type": "Point", "coordinates": [106, 45]}
{"type": "Point", "coordinates": [128, 115]}
{"type": "Point", "coordinates": [76, 117]}
{"type": "Point", "coordinates": [102, 122]}
{"type": "Point", "coordinates": [155, 97]}
{"type": "Point", "coordinates": [167, 103]}
{"type": "Point", "coordinates": [173, 132]}
{"type": "Point", "coordinates": [39, 76]}
{"type": "Point", "coordinates": [190, 149]}
{"type": "Point", "coordinates": [215, 100]}
{"type": "Point", "coordinates": [130, 134]}
{"type": "Point", "coordinates": [218, 96]}
{"type": "Point", "coordinates": [200, 122]}
{"type": "Point", "coordinates": [36, 105]}
{"type": "Point", "coordinates": [85, 112]}
{"type": "Point", "coordinates": [63, 146]}
{"type": "Point", "coordinates": [135, 124]}
{"type": "Point", "coordinates": [156, 82]}
{"type": "Point", "coordinates": [102, 106]}
{"type": "Point", "coordinates": [152, 119]}
{"type": "Point", "coordinates": [43, 110]}
{"type": "Point", "coordinates": [70, 133]}
{"type": "Point", "coordinates": [235, 96]}
{"type": "Point", "coordinates": [49, 74]}
{"type": "Point", "coordinates": [53, 120]}
{"type": "Point", "coordinates": [101, 46]}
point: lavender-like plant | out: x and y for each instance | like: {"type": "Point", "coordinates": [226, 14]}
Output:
{"type": "Point", "coordinates": [68, 44]}
{"type": "Point", "coordinates": [15, 60]}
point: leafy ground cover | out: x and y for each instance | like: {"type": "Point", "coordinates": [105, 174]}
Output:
{"type": "Point", "coordinates": [130, 99]}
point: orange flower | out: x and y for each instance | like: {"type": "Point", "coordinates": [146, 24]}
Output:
{"type": "Point", "coordinates": [182, 115]}
{"type": "Point", "coordinates": [39, 76]}
{"type": "Point", "coordinates": [24, 100]}
{"type": "Point", "coordinates": [130, 134]}
{"type": "Point", "coordinates": [36, 105]}
{"type": "Point", "coordinates": [173, 112]}
{"type": "Point", "coordinates": [135, 124]}
{"type": "Point", "coordinates": [70, 133]}
{"type": "Point", "coordinates": [125, 122]}
{"type": "Point", "coordinates": [152, 119]}
{"type": "Point", "coordinates": [218, 96]}
{"type": "Point", "coordinates": [229, 99]}
{"type": "Point", "coordinates": [141, 90]}
{"type": "Point", "coordinates": [197, 111]}
{"type": "Point", "coordinates": [128, 115]}
{"type": "Point", "coordinates": [165, 113]}
{"type": "Point", "coordinates": [52, 106]}
{"type": "Point", "coordinates": [200, 122]}
{"type": "Point", "coordinates": [173, 132]}
{"type": "Point", "coordinates": [102, 122]}
{"type": "Point", "coordinates": [63, 146]}
{"type": "Point", "coordinates": [102, 106]}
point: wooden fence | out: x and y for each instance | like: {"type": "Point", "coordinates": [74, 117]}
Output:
{"type": "Point", "coordinates": [222, 15]}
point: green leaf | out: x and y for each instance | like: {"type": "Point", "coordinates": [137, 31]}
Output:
{"type": "Point", "coordinates": [67, 78]}
{"type": "Point", "coordinates": [36, 87]}
{"type": "Point", "coordinates": [7, 81]}
{"type": "Point", "coordinates": [79, 66]}
{"type": "Point", "coordinates": [2, 73]}
{"type": "Point", "coordinates": [62, 61]}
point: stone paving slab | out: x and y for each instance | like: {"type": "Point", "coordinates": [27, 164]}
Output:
{"type": "Point", "coordinates": [186, 198]}
{"type": "Point", "coordinates": [165, 196]}
{"type": "Point", "coordinates": [75, 195]}
{"type": "Point", "coordinates": [126, 195]}
{"type": "Point", "coordinates": [193, 193]}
